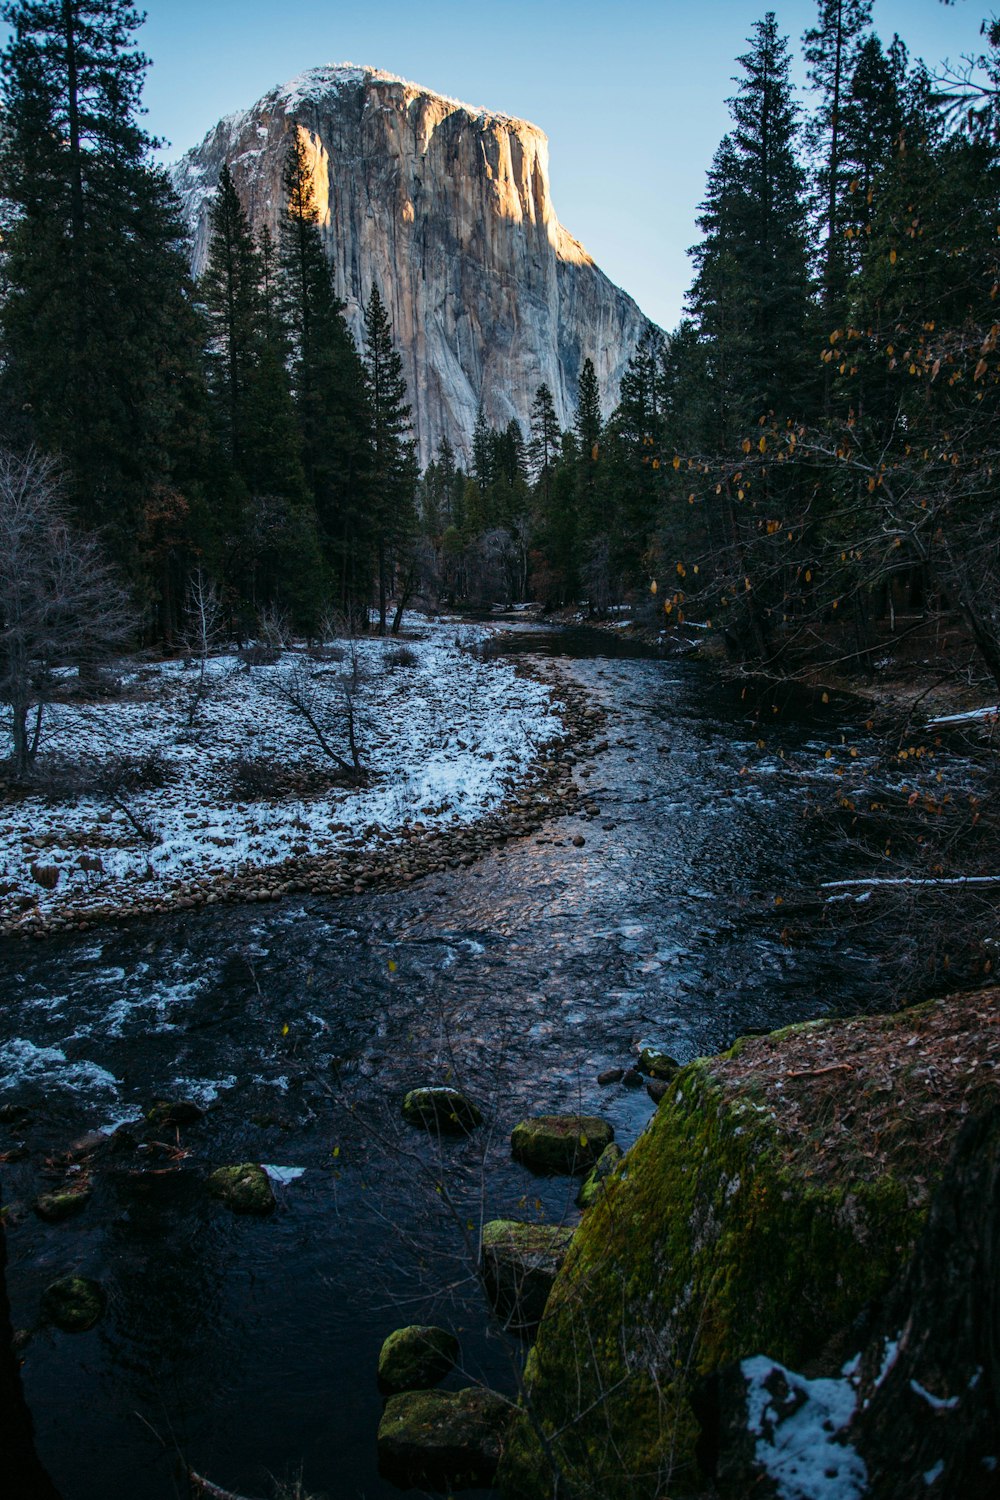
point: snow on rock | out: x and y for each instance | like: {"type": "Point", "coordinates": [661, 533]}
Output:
{"type": "Point", "coordinates": [443, 742]}
{"type": "Point", "coordinates": [801, 1448]}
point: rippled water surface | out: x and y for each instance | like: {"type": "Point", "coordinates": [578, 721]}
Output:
{"type": "Point", "coordinates": [249, 1346]}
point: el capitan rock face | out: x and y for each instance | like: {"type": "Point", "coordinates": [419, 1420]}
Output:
{"type": "Point", "coordinates": [447, 209]}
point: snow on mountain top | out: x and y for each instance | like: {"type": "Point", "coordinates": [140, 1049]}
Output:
{"type": "Point", "coordinates": [315, 82]}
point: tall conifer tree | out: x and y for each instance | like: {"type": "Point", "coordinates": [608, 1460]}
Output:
{"type": "Point", "coordinates": [394, 465]}
{"type": "Point", "coordinates": [101, 345]}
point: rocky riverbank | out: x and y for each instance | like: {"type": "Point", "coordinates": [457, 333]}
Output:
{"type": "Point", "coordinates": [377, 856]}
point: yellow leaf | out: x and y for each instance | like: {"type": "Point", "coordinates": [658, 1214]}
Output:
{"type": "Point", "coordinates": [892, 257]}
{"type": "Point", "coordinates": [336, 1150]}
{"type": "Point", "coordinates": [677, 462]}
{"type": "Point", "coordinates": [284, 1029]}
{"type": "Point", "coordinates": [809, 576]}
{"type": "Point", "coordinates": [392, 966]}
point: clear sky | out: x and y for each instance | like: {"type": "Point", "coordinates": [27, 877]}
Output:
{"type": "Point", "coordinates": [631, 94]}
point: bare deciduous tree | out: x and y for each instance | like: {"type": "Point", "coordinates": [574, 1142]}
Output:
{"type": "Point", "coordinates": [328, 709]}
{"type": "Point", "coordinates": [203, 626]}
{"type": "Point", "coordinates": [60, 605]}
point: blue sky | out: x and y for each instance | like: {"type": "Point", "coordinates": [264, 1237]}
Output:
{"type": "Point", "coordinates": [631, 94]}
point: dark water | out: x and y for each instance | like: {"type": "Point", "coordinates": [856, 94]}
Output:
{"type": "Point", "coordinates": [250, 1346]}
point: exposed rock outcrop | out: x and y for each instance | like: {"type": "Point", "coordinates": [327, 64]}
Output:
{"type": "Point", "coordinates": [447, 209]}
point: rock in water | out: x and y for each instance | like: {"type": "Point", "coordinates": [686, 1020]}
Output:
{"type": "Point", "coordinates": [74, 1303]}
{"type": "Point", "coordinates": [560, 1143]}
{"type": "Point", "coordinates": [520, 1262]}
{"type": "Point", "coordinates": [447, 209]}
{"type": "Point", "coordinates": [244, 1189]}
{"type": "Point", "coordinates": [658, 1064]}
{"type": "Point", "coordinates": [443, 1439]}
{"type": "Point", "coordinates": [415, 1358]}
{"type": "Point", "coordinates": [602, 1170]}
{"type": "Point", "coordinates": [441, 1109]}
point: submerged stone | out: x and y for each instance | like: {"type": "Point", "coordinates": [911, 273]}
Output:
{"type": "Point", "coordinates": [74, 1303]}
{"type": "Point", "coordinates": [441, 1109]}
{"type": "Point", "coordinates": [561, 1143]}
{"type": "Point", "coordinates": [603, 1168]}
{"type": "Point", "coordinates": [244, 1189]}
{"type": "Point", "coordinates": [519, 1264]}
{"type": "Point", "coordinates": [62, 1204]}
{"type": "Point", "coordinates": [174, 1112]}
{"type": "Point", "coordinates": [443, 1439]}
{"type": "Point", "coordinates": [416, 1358]}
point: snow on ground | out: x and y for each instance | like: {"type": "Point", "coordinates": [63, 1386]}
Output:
{"type": "Point", "coordinates": [444, 740]}
{"type": "Point", "coordinates": [799, 1440]}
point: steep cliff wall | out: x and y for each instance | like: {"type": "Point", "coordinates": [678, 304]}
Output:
{"type": "Point", "coordinates": [447, 209]}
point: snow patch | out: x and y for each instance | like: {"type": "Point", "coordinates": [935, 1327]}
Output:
{"type": "Point", "coordinates": [803, 1451]}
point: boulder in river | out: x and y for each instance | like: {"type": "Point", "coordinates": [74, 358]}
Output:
{"type": "Point", "coordinates": [171, 1113]}
{"type": "Point", "coordinates": [416, 1358]}
{"type": "Point", "coordinates": [657, 1064]}
{"type": "Point", "coordinates": [63, 1203]}
{"type": "Point", "coordinates": [74, 1303]}
{"type": "Point", "coordinates": [444, 1110]}
{"type": "Point", "coordinates": [519, 1264]}
{"type": "Point", "coordinates": [601, 1171]}
{"type": "Point", "coordinates": [561, 1143]}
{"type": "Point", "coordinates": [245, 1189]}
{"type": "Point", "coordinates": [443, 1439]}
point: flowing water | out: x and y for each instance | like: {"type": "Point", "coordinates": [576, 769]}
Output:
{"type": "Point", "coordinates": [249, 1346]}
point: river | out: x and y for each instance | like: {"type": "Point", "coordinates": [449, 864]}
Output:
{"type": "Point", "coordinates": [249, 1346]}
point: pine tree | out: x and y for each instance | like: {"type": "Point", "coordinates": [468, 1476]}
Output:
{"type": "Point", "coordinates": [751, 292]}
{"type": "Point", "coordinates": [543, 444]}
{"type": "Point", "coordinates": [230, 289]}
{"type": "Point", "coordinates": [101, 346]}
{"type": "Point", "coordinates": [328, 383]}
{"type": "Point", "coordinates": [394, 466]}
{"type": "Point", "coordinates": [833, 50]}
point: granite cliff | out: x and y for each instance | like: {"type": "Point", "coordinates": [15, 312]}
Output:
{"type": "Point", "coordinates": [447, 209]}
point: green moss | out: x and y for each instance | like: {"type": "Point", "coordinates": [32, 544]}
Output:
{"type": "Point", "coordinates": [441, 1109]}
{"type": "Point", "coordinates": [443, 1439]}
{"type": "Point", "coordinates": [415, 1358]}
{"type": "Point", "coordinates": [62, 1205]}
{"type": "Point", "coordinates": [74, 1303]}
{"type": "Point", "coordinates": [703, 1248]}
{"type": "Point", "coordinates": [520, 1263]}
{"type": "Point", "coordinates": [658, 1064]}
{"type": "Point", "coordinates": [244, 1189]}
{"type": "Point", "coordinates": [560, 1143]}
{"type": "Point", "coordinates": [602, 1170]}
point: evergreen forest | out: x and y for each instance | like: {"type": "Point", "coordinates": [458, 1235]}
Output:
{"type": "Point", "coordinates": [807, 455]}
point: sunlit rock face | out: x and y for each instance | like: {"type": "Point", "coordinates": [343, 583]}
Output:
{"type": "Point", "coordinates": [447, 209]}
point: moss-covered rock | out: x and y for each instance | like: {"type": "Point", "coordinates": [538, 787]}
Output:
{"type": "Point", "coordinates": [776, 1192]}
{"type": "Point", "coordinates": [657, 1064]}
{"type": "Point", "coordinates": [74, 1303]}
{"type": "Point", "coordinates": [170, 1114]}
{"type": "Point", "coordinates": [416, 1358]}
{"type": "Point", "coordinates": [62, 1204]}
{"type": "Point", "coordinates": [444, 1110]}
{"type": "Point", "coordinates": [520, 1262]}
{"type": "Point", "coordinates": [443, 1439]}
{"type": "Point", "coordinates": [602, 1170]}
{"type": "Point", "coordinates": [244, 1189]}
{"type": "Point", "coordinates": [560, 1143]}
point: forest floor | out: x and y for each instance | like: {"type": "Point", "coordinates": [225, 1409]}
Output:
{"type": "Point", "coordinates": [149, 798]}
